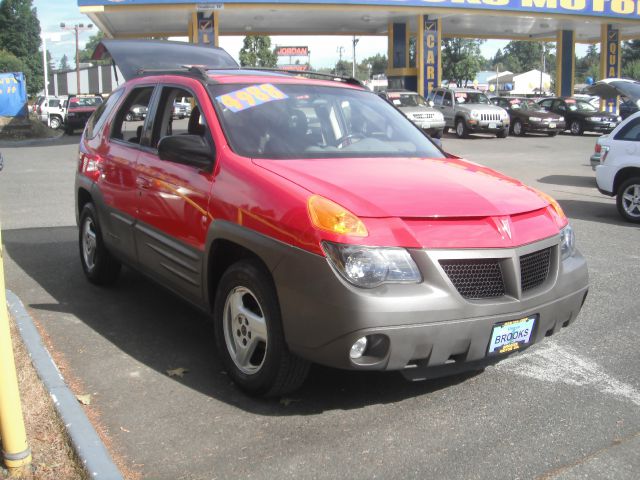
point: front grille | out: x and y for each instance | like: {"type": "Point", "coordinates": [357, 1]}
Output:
{"type": "Point", "coordinates": [534, 268]}
{"type": "Point", "coordinates": [489, 117]}
{"type": "Point", "coordinates": [475, 279]}
{"type": "Point", "coordinates": [423, 116]}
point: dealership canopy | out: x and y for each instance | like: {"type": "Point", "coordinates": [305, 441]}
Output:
{"type": "Point", "coordinates": [563, 21]}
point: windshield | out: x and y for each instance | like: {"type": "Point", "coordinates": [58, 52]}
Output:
{"type": "Point", "coordinates": [525, 104]}
{"type": "Point", "coordinates": [408, 100]}
{"type": "Point", "coordinates": [580, 105]}
{"type": "Point", "coordinates": [472, 97]}
{"type": "Point", "coordinates": [85, 102]}
{"type": "Point", "coordinates": [304, 121]}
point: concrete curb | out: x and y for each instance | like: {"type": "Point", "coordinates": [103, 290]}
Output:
{"type": "Point", "coordinates": [92, 453]}
{"type": "Point", "coordinates": [30, 142]}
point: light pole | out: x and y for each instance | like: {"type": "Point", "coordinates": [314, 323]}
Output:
{"type": "Point", "coordinates": [44, 64]}
{"type": "Point", "coordinates": [77, 28]}
{"type": "Point", "coordinates": [355, 42]}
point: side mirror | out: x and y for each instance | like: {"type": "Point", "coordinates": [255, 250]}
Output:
{"type": "Point", "coordinates": [190, 150]}
{"type": "Point", "coordinates": [431, 104]}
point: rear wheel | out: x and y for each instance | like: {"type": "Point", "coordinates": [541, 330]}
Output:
{"type": "Point", "coordinates": [576, 127]}
{"type": "Point", "coordinates": [98, 264]}
{"type": "Point", "coordinates": [628, 200]}
{"type": "Point", "coordinates": [54, 122]}
{"type": "Point", "coordinates": [249, 333]}
{"type": "Point", "coordinates": [461, 128]}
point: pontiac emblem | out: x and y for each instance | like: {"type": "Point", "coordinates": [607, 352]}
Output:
{"type": "Point", "coordinates": [506, 226]}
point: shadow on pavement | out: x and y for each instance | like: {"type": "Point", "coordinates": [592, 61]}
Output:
{"type": "Point", "coordinates": [163, 332]}
{"type": "Point", "coordinates": [601, 212]}
{"type": "Point", "coordinates": [570, 180]}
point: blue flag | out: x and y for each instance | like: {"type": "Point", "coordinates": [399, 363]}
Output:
{"type": "Point", "coordinates": [13, 95]}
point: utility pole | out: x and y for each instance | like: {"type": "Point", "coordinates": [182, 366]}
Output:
{"type": "Point", "coordinates": [543, 62]}
{"type": "Point", "coordinates": [77, 28]}
{"type": "Point", "coordinates": [44, 64]}
{"type": "Point", "coordinates": [340, 49]}
{"type": "Point", "coordinates": [355, 42]}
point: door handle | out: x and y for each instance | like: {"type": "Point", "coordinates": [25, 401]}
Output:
{"type": "Point", "coordinates": [143, 182]}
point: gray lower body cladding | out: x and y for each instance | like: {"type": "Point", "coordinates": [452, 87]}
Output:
{"type": "Point", "coordinates": [426, 325]}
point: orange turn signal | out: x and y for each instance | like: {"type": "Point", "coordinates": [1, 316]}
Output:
{"type": "Point", "coordinates": [329, 216]}
{"type": "Point", "coordinates": [552, 201]}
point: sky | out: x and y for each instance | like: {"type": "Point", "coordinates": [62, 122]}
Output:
{"type": "Point", "coordinates": [324, 50]}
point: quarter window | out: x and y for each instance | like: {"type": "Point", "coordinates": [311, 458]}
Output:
{"type": "Point", "coordinates": [630, 132]}
{"type": "Point", "coordinates": [96, 121]}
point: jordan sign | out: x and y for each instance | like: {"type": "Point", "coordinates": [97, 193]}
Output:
{"type": "Point", "coordinates": [292, 51]}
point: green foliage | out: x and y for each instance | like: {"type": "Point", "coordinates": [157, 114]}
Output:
{"type": "Point", "coordinates": [631, 69]}
{"type": "Point", "coordinates": [10, 63]}
{"type": "Point", "coordinates": [461, 60]}
{"type": "Point", "coordinates": [256, 52]}
{"type": "Point", "coordinates": [343, 68]}
{"type": "Point", "coordinates": [87, 51]}
{"type": "Point", "coordinates": [378, 64]}
{"type": "Point", "coordinates": [523, 56]}
{"type": "Point", "coordinates": [630, 51]}
{"type": "Point", "coordinates": [20, 36]}
{"type": "Point", "coordinates": [64, 63]}
{"type": "Point", "coordinates": [588, 66]}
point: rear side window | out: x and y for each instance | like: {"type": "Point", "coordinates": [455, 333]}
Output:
{"type": "Point", "coordinates": [129, 120]}
{"type": "Point", "coordinates": [98, 118]}
{"type": "Point", "coordinates": [630, 132]}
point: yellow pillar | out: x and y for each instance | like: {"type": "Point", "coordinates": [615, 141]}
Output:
{"type": "Point", "coordinates": [204, 30]}
{"type": "Point", "coordinates": [610, 59]}
{"type": "Point", "coordinates": [15, 448]}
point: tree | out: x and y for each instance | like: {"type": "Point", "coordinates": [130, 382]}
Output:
{"type": "Point", "coordinates": [64, 63]}
{"type": "Point", "coordinates": [461, 59]}
{"type": "Point", "coordinates": [589, 65]}
{"type": "Point", "coordinates": [631, 69]}
{"type": "Point", "coordinates": [630, 51]}
{"type": "Point", "coordinates": [20, 36]}
{"type": "Point", "coordinates": [522, 56]}
{"type": "Point", "coordinates": [378, 64]}
{"type": "Point", "coordinates": [10, 63]}
{"type": "Point", "coordinates": [343, 68]}
{"type": "Point", "coordinates": [256, 52]}
{"type": "Point", "coordinates": [87, 52]}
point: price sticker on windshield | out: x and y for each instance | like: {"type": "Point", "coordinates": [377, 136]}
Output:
{"type": "Point", "coordinates": [252, 96]}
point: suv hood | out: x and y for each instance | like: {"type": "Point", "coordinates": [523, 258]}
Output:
{"type": "Point", "coordinates": [613, 87]}
{"type": "Point", "coordinates": [134, 56]}
{"type": "Point", "coordinates": [409, 187]}
{"type": "Point", "coordinates": [479, 106]}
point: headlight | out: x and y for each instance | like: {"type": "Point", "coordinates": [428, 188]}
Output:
{"type": "Point", "coordinates": [619, 118]}
{"type": "Point", "coordinates": [368, 267]}
{"type": "Point", "coordinates": [567, 242]}
{"type": "Point", "coordinates": [504, 115]}
{"type": "Point", "coordinates": [438, 116]}
{"type": "Point", "coordinates": [561, 119]}
{"type": "Point", "coordinates": [595, 119]}
{"type": "Point", "coordinates": [474, 114]}
{"type": "Point", "coordinates": [535, 119]}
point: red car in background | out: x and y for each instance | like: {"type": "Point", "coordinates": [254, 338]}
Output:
{"type": "Point", "coordinates": [78, 110]}
{"type": "Point", "coordinates": [315, 223]}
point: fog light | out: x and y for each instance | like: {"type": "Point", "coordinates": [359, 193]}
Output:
{"type": "Point", "coordinates": [358, 348]}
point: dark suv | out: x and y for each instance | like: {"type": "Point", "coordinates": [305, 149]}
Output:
{"type": "Point", "coordinates": [78, 110]}
{"type": "Point", "coordinates": [285, 207]}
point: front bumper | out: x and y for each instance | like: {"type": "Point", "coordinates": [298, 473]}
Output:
{"type": "Point", "coordinates": [487, 126]}
{"type": "Point", "coordinates": [604, 127]}
{"type": "Point", "coordinates": [546, 127]}
{"type": "Point", "coordinates": [423, 328]}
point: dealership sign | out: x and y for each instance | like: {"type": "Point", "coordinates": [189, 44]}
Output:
{"type": "Point", "coordinates": [597, 8]}
{"type": "Point", "coordinates": [292, 51]}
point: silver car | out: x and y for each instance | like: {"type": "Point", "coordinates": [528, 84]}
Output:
{"type": "Point", "coordinates": [469, 111]}
{"type": "Point", "coordinates": [417, 109]}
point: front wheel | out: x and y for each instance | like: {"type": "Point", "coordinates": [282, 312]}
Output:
{"type": "Point", "coordinates": [98, 264]}
{"type": "Point", "coordinates": [518, 129]}
{"type": "Point", "coordinates": [54, 122]}
{"type": "Point", "coordinates": [461, 128]}
{"type": "Point", "coordinates": [504, 133]}
{"type": "Point", "coordinates": [576, 127]}
{"type": "Point", "coordinates": [628, 200]}
{"type": "Point", "coordinates": [249, 333]}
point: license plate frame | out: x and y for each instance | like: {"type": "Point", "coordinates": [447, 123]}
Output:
{"type": "Point", "coordinates": [552, 125]}
{"type": "Point", "coordinates": [493, 125]}
{"type": "Point", "coordinates": [512, 335]}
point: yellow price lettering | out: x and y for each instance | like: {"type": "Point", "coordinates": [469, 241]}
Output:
{"type": "Point", "coordinates": [245, 97]}
{"type": "Point", "coordinates": [272, 91]}
{"type": "Point", "coordinates": [230, 102]}
{"type": "Point", "coordinates": [259, 94]}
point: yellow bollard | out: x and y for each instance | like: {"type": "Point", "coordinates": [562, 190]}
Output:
{"type": "Point", "coordinates": [15, 449]}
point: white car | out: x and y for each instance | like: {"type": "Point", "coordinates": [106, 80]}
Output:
{"type": "Point", "coordinates": [618, 173]}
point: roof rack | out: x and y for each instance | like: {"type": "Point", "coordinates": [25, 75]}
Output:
{"type": "Point", "coordinates": [335, 78]}
{"type": "Point", "coordinates": [186, 70]}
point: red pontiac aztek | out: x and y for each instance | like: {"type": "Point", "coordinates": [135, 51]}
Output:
{"type": "Point", "coordinates": [315, 223]}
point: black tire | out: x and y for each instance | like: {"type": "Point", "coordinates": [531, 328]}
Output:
{"type": "Point", "coordinates": [68, 130]}
{"type": "Point", "coordinates": [438, 134]}
{"type": "Point", "coordinates": [518, 129]}
{"type": "Point", "coordinates": [55, 122]}
{"type": "Point", "coordinates": [270, 370]}
{"type": "Point", "coordinates": [504, 133]}
{"type": "Point", "coordinates": [628, 200]}
{"type": "Point", "coordinates": [128, 117]}
{"type": "Point", "coordinates": [576, 127]}
{"type": "Point", "coordinates": [552, 134]}
{"type": "Point", "coordinates": [445, 130]}
{"type": "Point", "coordinates": [97, 263]}
{"type": "Point", "coordinates": [461, 128]}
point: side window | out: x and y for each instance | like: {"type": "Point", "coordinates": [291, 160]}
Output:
{"type": "Point", "coordinates": [448, 99]}
{"type": "Point", "coordinates": [437, 98]}
{"type": "Point", "coordinates": [129, 121]}
{"type": "Point", "coordinates": [546, 104]}
{"type": "Point", "coordinates": [178, 113]}
{"type": "Point", "coordinates": [630, 132]}
{"type": "Point", "coordinates": [559, 106]}
{"type": "Point", "coordinates": [96, 121]}
{"type": "Point", "coordinates": [54, 103]}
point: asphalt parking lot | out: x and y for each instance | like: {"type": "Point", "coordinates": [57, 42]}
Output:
{"type": "Point", "coordinates": [567, 408]}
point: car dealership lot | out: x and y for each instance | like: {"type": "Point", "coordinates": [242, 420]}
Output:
{"type": "Point", "coordinates": [567, 408]}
